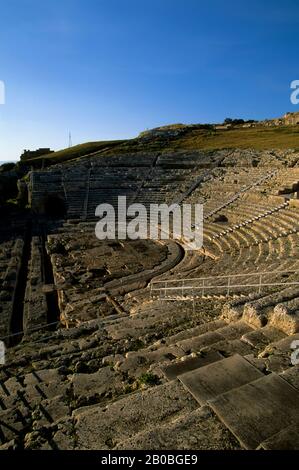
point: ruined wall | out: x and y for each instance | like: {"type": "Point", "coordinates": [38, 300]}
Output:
{"type": "Point", "coordinates": [45, 187]}
{"type": "Point", "coordinates": [291, 119]}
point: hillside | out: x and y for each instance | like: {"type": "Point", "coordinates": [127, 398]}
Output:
{"type": "Point", "coordinates": [172, 138]}
{"type": "Point", "coordinates": [76, 151]}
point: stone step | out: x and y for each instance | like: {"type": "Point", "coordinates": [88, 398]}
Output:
{"type": "Point", "coordinates": [235, 330]}
{"type": "Point", "coordinates": [173, 370]}
{"type": "Point", "coordinates": [34, 394]}
{"type": "Point", "coordinates": [233, 310]}
{"type": "Point", "coordinates": [286, 316]}
{"type": "Point", "coordinates": [254, 312]}
{"type": "Point", "coordinates": [199, 429]}
{"type": "Point", "coordinates": [39, 376]}
{"type": "Point", "coordinates": [263, 336]}
{"type": "Point", "coordinates": [278, 354]}
{"type": "Point", "coordinates": [50, 411]}
{"type": "Point", "coordinates": [225, 333]}
{"type": "Point", "coordinates": [208, 382]}
{"type": "Point", "coordinates": [87, 388]}
{"type": "Point", "coordinates": [13, 422]}
{"type": "Point", "coordinates": [258, 410]}
{"type": "Point", "coordinates": [230, 347]}
{"type": "Point", "coordinates": [138, 362]}
{"type": "Point", "coordinates": [291, 375]}
{"type": "Point", "coordinates": [99, 427]}
{"type": "Point", "coordinates": [197, 330]}
{"type": "Point", "coordinates": [197, 343]}
{"type": "Point", "coordinates": [287, 439]}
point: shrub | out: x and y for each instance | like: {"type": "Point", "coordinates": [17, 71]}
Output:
{"type": "Point", "coordinates": [149, 379]}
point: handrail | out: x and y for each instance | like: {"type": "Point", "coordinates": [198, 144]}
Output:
{"type": "Point", "coordinates": [225, 276]}
{"type": "Point", "coordinates": [183, 287]}
{"type": "Point", "coordinates": [231, 286]}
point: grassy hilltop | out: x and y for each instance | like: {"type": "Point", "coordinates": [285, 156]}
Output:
{"type": "Point", "coordinates": [203, 137]}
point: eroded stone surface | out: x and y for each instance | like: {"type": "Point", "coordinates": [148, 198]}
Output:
{"type": "Point", "coordinates": [212, 380]}
{"type": "Point", "coordinates": [199, 429]}
{"type": "Point", "coordinates": [258, 410]}
{"type": "Point", "coordinates": [101, 428]}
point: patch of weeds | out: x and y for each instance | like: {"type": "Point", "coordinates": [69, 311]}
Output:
{"type": "Point", "coordinates": [149, 379]}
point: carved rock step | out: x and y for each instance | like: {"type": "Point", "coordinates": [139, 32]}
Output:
{"type": "Point", "coordinates": [39, 376]}
{"type": "Point", "coordinates": [166, 350]}
{"type": "Point", "coordinates": [286, 316]}
{"type": "Point", "coordinates": [173, 370]}
{"type": "Point", "coordinates": [137, 363]}
{"type": "Point", "coordinates": [48, 412]}
{"type": "Point", "coordinates": [199, 429]}
{"type": "Point", "coordinates": [283, 345]}
{"type": "Point", "coordinates": [99, 427]}
{"type": "Point", "coordinates": [277, 355]}
{"type": "Point", "coordinates": [148, 319]}
{"type": "Point", "coordinates": [100, 383]}
{"type": "Point", "coordinates": [32, 388]}
{"type": "Point", "coordinates": [255, 311]}
{"type": "Point", "coordinates": [230, 347]}
{"type": "Point", "coordinates": [263, 336]}
{"type": "Point", "coordinates": [13, 422]}
{"type": "Point", "coordinates": [291, 375]}
{"type": "Point", "coordinates": [258, 410]}
{"type": "Point", "coordinates": [197, 330]}
{"type": "Point", "coordinates": [287, 439]}
{"type": "Point", "coordinates": [208, 382]}
{"type": "Point", "coordinates": [226, 333]}
{"type": "Point", "coordinates": [34, 394]}
{"type": "Point", "coordinates": [233, 310]}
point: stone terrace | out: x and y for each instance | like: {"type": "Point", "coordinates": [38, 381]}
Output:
{"type": "Point", "coordinates": [120, 369]}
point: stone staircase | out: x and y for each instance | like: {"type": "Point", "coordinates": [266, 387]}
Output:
{"type": "Point", "coordinates": [217, 385]}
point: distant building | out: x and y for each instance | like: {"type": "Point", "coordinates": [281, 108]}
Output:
{"type": "Point", "coordinates": [222, 126]}
{"type": "Point", "coordinates": [291, 119]}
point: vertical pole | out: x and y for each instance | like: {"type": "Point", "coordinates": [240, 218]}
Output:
{"type": "Point", "coordinates": [260, 283]}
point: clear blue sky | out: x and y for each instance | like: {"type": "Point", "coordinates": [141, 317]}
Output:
{"type": "Point", "coordinates": [106, 69]}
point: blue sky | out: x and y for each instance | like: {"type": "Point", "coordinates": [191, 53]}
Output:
{"type": "Point", "coordinates": [106, 69]}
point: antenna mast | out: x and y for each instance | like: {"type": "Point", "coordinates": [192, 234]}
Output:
{"type": "Point", "coordinates": [70, 140]}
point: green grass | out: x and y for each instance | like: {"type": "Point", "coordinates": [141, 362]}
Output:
{"type": "Point", "coordinates": [74, 152]}
{"type": "Point", "coordinates": [149, 379]}
{"type": "Point", "coordinates": [259, 138]}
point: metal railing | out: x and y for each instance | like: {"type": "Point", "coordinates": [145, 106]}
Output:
{"type": "Point", "coordinates": [231, 284]}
